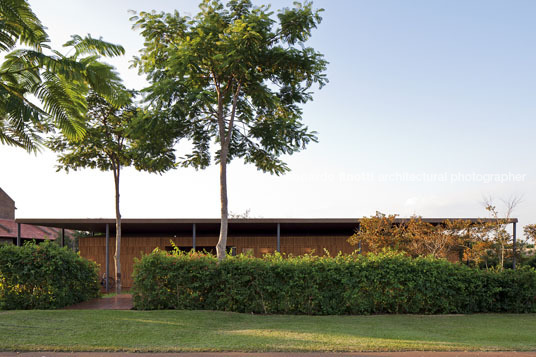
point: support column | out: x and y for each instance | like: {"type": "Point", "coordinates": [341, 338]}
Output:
{"type": "Point", "coordinates": [194, 233]}
{"type": "Point", "coordinates": [514, 246]}
{"type": "Point", "coordinates": [107, 265]}
{"type": "Point", "coordinates": [18, 235]}
{"type": "Point", "coordinates": [278, 248]}
{"type": "Point", "coordinates": [63, 237]}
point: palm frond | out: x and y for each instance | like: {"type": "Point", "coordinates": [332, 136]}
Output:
{"type": "Point", "coordinates": [103, 79]}
{"type": "Point", "coordinates": [93, 46]}
{"type": "Point", "coordinates": [20, 120]}
{"type": "Point", "coordinates": [59, 82]}
{"type": "Point", "coordinates": [18, 23]}
{"type": "Point", "coordinates": [62, 103]}
{"type": "Point", "coordinates": [24, 60]}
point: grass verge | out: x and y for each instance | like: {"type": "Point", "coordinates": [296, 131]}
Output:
{"type": "Point", "coordinates": [172, 331]}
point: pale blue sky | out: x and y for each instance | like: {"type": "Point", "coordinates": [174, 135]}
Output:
{"type": "Point", "coordinates": [416, 88]}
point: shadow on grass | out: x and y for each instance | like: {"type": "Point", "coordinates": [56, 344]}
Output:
{"type": "Point", "coordinates": [173, 331]}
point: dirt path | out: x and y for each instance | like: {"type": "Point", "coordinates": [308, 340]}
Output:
{"type": "Point", "coordinates": [118, 302]}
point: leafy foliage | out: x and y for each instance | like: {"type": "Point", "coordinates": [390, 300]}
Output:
{"type": "Point", "coordinates": [116, 137]}
{"type": "Point", "coordinates": [500, 237]}
{"type": "Point", "coordinates": [347, 284]}
{"type": "Point", "coordinates": [530, 231]}
{"type": "Point", "coordinates": [44, 276]}
{"type": "Point", "coordinates": [20, 24]}
{"type": "Point", "coordinates": [59, 83]}
{"type": "Point", "coordinates": [235, 77]}
{"type": "Point", "coordinates": [233, 65]}
{"type": "Point", "coordinates": [473, 242]}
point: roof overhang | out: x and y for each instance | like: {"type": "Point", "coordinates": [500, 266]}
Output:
{"type": "Point", "coordinates": [211, 225]}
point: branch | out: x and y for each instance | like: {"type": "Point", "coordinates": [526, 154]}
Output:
{"type": "Point", "coordinates": [25, 69]}
{"type": "Point", "coordinates": [233, 112]}
{"type": "Point", "coordinates": [21, 97]}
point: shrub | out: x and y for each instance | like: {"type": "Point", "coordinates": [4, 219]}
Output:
{"type": "Point", "coordinates": [44, 276]}
{"type": "Point", "coordinates": [353, 284]}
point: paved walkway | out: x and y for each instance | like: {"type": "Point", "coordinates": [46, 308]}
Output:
{"type": "Point", "coordinates": [278, 354]}
{"type": "Point", "coordinates": [118, 302]}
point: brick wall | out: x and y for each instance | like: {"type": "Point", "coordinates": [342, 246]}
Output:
{"type": "Point", "coordinates": [7, 206]}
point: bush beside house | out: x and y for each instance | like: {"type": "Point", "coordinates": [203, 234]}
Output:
{"type": "Point", "coordinates": [44, 276]}
{"type": "Point", "coordinates": [348, 284]}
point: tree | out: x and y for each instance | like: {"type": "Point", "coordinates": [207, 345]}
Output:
{"type": "Point", "coordinates": [234, 76]}
{"type": "Point", "coordinates": [245, 214]}
{"type": "Point", "coordinates": [530, 231]}
{"type": "Point", "coordinates": [51, 78]}
{"type": "Point", "coordinates": [377, 232]}
{"type": "Point", "coordinates": [417, 237]}
{"type": "Point", "coordinates": [499, 235]}
{"type": "Point", "coordinates": [112, 141]}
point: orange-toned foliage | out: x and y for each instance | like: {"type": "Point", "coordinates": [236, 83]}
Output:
{"type": "Point", "coordinates": [530, 231]}
{"type": "Point", "coordinates": [416, 237]}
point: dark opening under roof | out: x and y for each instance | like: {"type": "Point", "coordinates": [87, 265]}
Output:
{"type": "Point", "coordinates": [211, 225]}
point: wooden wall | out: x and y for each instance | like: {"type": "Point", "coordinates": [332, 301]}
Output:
{"type": "Point", "coordinates": [94, 248]}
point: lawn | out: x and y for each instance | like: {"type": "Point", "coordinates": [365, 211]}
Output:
{"type": "Point", "coordinates": [163, 331]}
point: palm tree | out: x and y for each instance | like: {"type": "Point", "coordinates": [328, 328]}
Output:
{"type": "Point", "coordinates": [41, 90]}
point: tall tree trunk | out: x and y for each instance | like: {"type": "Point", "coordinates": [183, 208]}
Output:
{"type": "Point", "coordinates": [502, 255]}
{"type": "Point", "coordinates": [222, 242]}
{"type": "Point", "coordinates": [117, 256]}
{"type": "Point", "coordinates": [225, 139]}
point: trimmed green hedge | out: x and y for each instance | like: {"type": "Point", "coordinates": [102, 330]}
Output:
{"type": "Point", "coordinates": [44, 276]}
{"type": "Point", "coordinates": [384, 283]}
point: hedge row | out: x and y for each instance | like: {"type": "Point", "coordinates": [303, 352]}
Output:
{"type": "Point", "coordinates": [384, 283]}
{"type": "Point", "coordinates": [44, 276]}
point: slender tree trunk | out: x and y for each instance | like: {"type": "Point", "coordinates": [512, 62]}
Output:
{"type": "Point", "coordinates": [502, 255]}
{"type": "Point", "coordinates": [222, 242]}
{"type": "Point", "coordinates": [117, 256]}
{"type": "Point", "coordinates": [225, 139]}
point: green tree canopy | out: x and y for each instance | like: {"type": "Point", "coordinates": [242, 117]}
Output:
{"type": "Point", "coordinates": [113, 140]}
{"type": "Point", "coordinates": [40, 87]}
{"type": "Point", "coordinates": [235, 76]}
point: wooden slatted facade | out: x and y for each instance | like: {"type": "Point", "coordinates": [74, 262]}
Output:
{"type": "Point", "coordinates": [132, 247]}
{"type": "Point", "coordinates": [257, 236]}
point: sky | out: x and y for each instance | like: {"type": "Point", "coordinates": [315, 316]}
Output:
{"type": "Point", "coordinates": [430, 108]}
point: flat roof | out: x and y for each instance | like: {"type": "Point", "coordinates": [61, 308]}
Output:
{"type": "Point", "coordinates": [210, 225]}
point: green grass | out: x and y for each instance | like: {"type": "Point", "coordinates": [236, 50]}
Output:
{"type": "Point", "coordinates": [163, 331]}
{"type": "Point", "coordinates": [108, 295]}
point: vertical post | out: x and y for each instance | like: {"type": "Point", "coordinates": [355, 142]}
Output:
{"type": "Point", "coordinates": [358, 243]}
{"type": "Point", "coordinates": [63, 237]}
{"type": "Point", "coordinates": [18, 234]}
{"type": "Point", "coordinates": [194, 233]}
{"type": "Point", "coordinates": [514, 245]}
{"type": "Point", "coordinates": [279, 238]}
{"type": "Point", "coordinates": [107, 256]}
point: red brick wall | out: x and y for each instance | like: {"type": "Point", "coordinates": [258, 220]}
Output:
{"type": "Point", "coordinates": [7, 206]}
